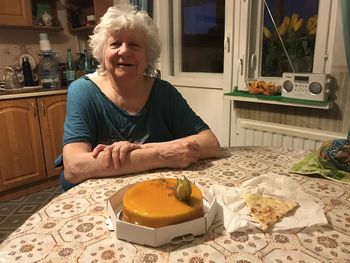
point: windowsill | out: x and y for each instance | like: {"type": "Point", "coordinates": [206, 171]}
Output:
{"type": "Point", "coordinates": [277, 100]}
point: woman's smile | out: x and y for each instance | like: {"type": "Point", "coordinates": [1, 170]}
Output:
{"type": "Point", "coordinates": [122, 65]}
{"type": "Point", "coordinates": [125, 53]}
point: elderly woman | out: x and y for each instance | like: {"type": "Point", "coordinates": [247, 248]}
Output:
{"type": "Point", "coordinates": [121, 120]}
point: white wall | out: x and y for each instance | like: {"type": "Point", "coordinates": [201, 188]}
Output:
{"type": "Point", "coordinates": [209, 105]}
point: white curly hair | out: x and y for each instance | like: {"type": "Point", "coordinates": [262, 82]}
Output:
{"type": "Point", "coordinates": [119, 17]}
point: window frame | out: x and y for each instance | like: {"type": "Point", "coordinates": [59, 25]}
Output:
{"type": "Point", "coordinates": [169, 21]}
{"type": "Point", "coordinates": [238, 44]}
{"type": "Point", "coordinates": [249, 54]}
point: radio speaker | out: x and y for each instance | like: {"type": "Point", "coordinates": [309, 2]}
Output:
{"type": "Point", "coordinates": [308, 86]}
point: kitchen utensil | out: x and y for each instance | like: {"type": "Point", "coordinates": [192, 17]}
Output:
{"type": "Point", "coordinates": [8, 75]}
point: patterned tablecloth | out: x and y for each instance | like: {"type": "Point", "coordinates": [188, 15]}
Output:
{"type": "Point", "coordinates": [71, 228]}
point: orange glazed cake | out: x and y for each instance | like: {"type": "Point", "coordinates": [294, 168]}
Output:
{"type": "Point", "coordinates": [153, 203]}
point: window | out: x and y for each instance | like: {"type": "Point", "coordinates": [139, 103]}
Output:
{"type": "Point", "coordinates": [202, 36]}
{"type": "Point", "coordinates": [197, 47]}
{"type": "Point", "coordinates": [146, 5]}
{"type": "Point", "coordinates": [222, 44]}
{"type": "Point", "coordinates": [283, 36]}
{"type": "Point", "coordinates": [289, 35]}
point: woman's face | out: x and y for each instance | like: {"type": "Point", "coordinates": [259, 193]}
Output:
{"type": "Point", "coordinates": [125, 54]}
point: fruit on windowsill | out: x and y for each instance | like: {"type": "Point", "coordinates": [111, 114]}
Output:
{"type": "Point", "coordinates": [263, 87]}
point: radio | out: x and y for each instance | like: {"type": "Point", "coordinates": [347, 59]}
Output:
{"type": "Point", "coordinates": [307, 86]}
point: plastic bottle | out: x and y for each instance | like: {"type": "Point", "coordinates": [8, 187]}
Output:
{"type": "Point", "coordinates": [70, 67]}
{"type": "Point", "coordinates": [27, 72]}
{"type": "Point", "coordinates": [49, 72]}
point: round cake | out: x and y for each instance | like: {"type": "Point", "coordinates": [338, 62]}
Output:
{"type": "Point", "coordinates": [153, 203]}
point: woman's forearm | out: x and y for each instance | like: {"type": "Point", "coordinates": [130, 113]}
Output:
{"type": "Point", "coordinates": [209, 146]}
{"type": "Point", "coordinates": [84, 166]}
{"type": "Point", "coordinates": [80, 163]}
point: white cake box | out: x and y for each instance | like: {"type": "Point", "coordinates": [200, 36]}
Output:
{"type": "Point", "coordinates": [155, 237]}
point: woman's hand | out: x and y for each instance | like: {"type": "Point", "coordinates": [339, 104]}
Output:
{"type": "Point", "coordinates": [114, 153]}
{"type": "Point", "coordinates": [179, 153]}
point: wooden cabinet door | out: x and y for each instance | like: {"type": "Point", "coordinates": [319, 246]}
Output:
{"type": "Point", "coordinates": [21, 155]}
{"type": "Point", "coordinates": [16, 13]}
{"type": "Point", "coordinates": [52, 114]}
{"type": "Point", "coordinates": [100, 7]}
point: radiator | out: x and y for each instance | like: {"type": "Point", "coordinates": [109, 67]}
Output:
{"type": "Point", "coordinates": [259, 133]}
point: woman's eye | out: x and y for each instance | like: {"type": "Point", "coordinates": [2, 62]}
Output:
{"type": "Point", "coordinates": [134, 45]}
{"type": "Point", "coordinates": [115, 44]}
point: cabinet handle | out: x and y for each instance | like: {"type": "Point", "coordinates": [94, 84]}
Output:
{"type": "Point", "coordinates": [34, 109]}
{"type": "Point", "coordinates": [42, 108]}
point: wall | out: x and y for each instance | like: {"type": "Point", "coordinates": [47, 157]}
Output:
{"type": "Point", "coordinates": [209, 105]}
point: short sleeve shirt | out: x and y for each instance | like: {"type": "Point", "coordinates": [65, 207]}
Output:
{"type": "Point", "coordinates": [92, 117]}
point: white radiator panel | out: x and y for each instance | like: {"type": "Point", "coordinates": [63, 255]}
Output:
{"type": "Point", "coordinates": [258, 133]}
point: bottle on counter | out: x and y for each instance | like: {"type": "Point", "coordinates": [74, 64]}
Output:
{"type": "Point", "coordinates": [87, 63]}
{"type": "Point", "coordinates": [27, 72]}
{"type": "Point", "coordinates": [49, 72]}
{"type": "Point", "coordinates": [70, 72]}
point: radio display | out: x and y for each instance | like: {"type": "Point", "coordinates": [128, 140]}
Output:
{"type": "Point", "coordinates": [301, 78]}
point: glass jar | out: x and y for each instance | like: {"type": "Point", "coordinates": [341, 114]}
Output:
{"type": "Point", "coordinates": [49, 72]}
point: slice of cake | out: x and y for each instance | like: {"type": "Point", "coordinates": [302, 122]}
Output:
{"type": "Point", "coordinates": [153, 203]}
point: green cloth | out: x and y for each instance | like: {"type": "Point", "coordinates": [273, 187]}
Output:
{"type": "Point", "coordinates": [311, 166]}
{"type": "Point", "coordinates": [319, 163]}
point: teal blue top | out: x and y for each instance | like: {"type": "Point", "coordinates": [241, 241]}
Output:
{"type": "Point", "coordinates": [93, 118]}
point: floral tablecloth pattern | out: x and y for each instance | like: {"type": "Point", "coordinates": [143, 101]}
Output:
{"type": "Point", "coordinates": [71, 228]}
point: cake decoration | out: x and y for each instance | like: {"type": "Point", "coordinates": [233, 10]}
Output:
{"type": "Point", "coordinates": [183, 189]}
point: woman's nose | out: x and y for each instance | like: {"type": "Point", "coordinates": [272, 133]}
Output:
{"type": "Point", "coordinates": [123, 48]}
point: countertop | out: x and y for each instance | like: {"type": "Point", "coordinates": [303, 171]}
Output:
{"type": "Point", "coordinates": [71, 227]}
{"type": "Point", "coordinates": [30, 92]}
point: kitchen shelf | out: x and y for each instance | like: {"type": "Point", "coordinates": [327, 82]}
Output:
{"type": "Point", "coordinates": [237, 95]}
{"type": "Point", "coordinates": [39, 28]}
{"type": "Point", "coordinates": [48, 28]}
{"type": "Point", "coordinates": [82, 29]}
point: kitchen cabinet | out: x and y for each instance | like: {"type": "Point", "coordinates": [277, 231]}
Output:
{"type": "Point", "coordinates": [21, 156]}
{"type": "Point", "coordinates": [78, 10]}
{"type": "Point", "coordinates": [100, 7]}
{"type": "Point", "coordinates": [22, 14]}
{"type": "Point", "coordinates": [16, 12]}
{"type": "Point", "coordinates": [52, 112]}
{"type": "Point", "coordinates": [30, 137]}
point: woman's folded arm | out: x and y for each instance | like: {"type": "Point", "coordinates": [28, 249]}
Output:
{"type": "Point", "coordinates": [81, 162]}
